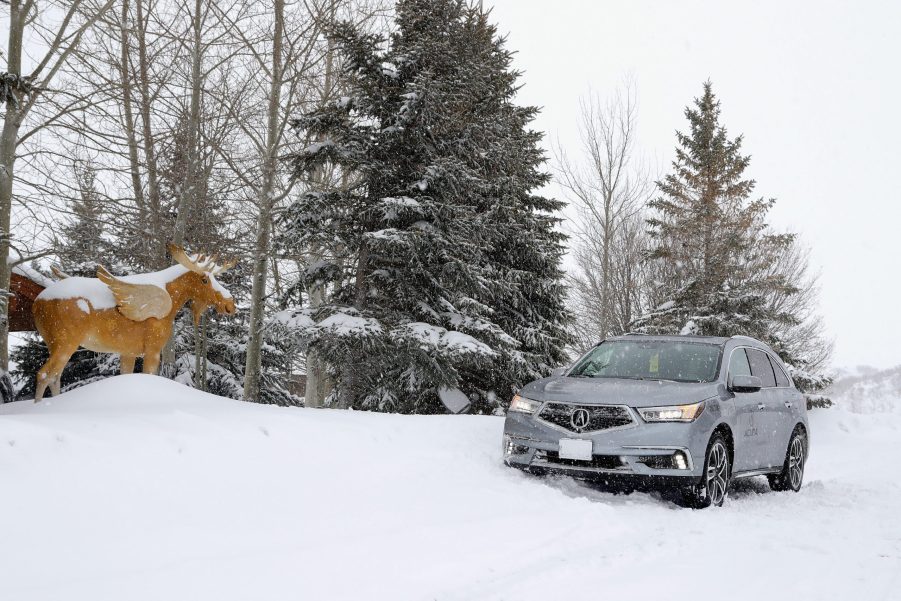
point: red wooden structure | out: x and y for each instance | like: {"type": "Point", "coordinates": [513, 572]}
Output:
{"type": "Point", "coordinates": [24, 291]}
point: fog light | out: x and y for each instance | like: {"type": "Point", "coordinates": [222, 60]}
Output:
{"type": "Point", "coordinates": [512, 448]}
{"type": "Point", "coordinates": [679, 460]}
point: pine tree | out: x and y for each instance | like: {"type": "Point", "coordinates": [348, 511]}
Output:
{"type": "Point", "coordinates": [714, 252]}
{"type": "Point", "coordinates": [84, 247]}
{"type": "Point", "coordinates": [443, 266]}
{"type": "Point", "coordinates": [8, 392]}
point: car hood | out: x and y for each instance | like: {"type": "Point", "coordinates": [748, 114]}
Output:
{"type": "Point", "coordinates": [615, 391]}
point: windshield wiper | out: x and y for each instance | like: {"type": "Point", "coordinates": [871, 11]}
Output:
{"type": "Point", "coordinates": [644, 379]}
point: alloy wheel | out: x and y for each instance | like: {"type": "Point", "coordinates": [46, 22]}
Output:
{"type": "Point", "coordinates": [717, 473]}
{"type": "Point", "coordinates": [796, 462]}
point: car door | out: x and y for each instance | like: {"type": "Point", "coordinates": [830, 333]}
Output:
{"type": "Point", "coordinates": [788, 401]}
{"type": "Point", "coordinates": [770, 410]}
{"type": "Point", "coordinates": [749, 449]}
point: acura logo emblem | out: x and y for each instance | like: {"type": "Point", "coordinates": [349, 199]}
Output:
{"type": "Point", "coordinates": [580, 419]}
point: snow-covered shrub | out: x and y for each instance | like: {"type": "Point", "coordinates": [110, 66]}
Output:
{"type": "Point", "coordinates": [7, 389]}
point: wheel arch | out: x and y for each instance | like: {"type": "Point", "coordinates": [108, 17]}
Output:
{"type": "Point", "coordinates": [724, 429]}
{"type": "Point", "coordinates": [806, 431]}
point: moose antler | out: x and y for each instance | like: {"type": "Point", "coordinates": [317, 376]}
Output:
{"type": "Point", "coordinates": [199, 263]}
{"type": "Point", "coordinates": [58, 272]}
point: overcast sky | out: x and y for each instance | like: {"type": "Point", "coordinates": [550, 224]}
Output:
{"type": "Point", "coordinates": [815, 87]}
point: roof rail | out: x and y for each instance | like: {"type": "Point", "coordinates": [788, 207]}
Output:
{"type": "Point", "coordinates": [743, 337]}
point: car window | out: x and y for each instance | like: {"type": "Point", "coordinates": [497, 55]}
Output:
{"type": "Point", "coordinates": [760, 367]}
{"type": "Point", "coordinates": [650, 360]}
{"type": "Point", "coordinates": [738, 365]}
{"type": "Point", "coordinates": [781, 378]}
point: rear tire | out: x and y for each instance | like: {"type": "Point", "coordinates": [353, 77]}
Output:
{"type": "Point", "coordinates": [792, 474]}
{"type": "Point", "coordinates": [714, 485]}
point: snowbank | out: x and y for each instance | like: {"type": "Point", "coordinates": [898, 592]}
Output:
{"type": "Point", "coordinates": [139, 488]}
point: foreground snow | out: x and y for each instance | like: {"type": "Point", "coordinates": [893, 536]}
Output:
{"type": "Point", "coordinates": [138, 488]}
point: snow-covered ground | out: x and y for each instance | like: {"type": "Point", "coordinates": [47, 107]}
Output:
{"type": "Point", "coordinates": [138, 488]}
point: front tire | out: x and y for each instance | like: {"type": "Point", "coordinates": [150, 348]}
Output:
{"type": "Point", "coordinates": [792, 474]}
{"type": "Point", "coordinates": [714, 485]}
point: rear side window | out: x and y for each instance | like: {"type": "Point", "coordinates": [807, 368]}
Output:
{"type": "Point", "coordinates": [738, 365]}
{"type": "Point", "coordinates": [760, 367]}
{"type": "Point", "coordinates": [781, 378]}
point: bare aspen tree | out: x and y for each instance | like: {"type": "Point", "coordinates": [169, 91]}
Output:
{"type": "Point", "coordinates": [134, 163]}
{"type": "Point", "coordinates": [609, 186]}
{"type": "Point", "coordinates": [189, 187]}
{"type": "Point", "coordinates": [145, 109]}
{"type": "Point", "coordinates": [317, 384]}
{"type": "Point", "coordinates": [61, 34]}
{"type": "Point", "coordinates": [266, 200]}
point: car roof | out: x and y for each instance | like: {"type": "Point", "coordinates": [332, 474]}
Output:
{"type": "Point", "coordinates": [718, 340]}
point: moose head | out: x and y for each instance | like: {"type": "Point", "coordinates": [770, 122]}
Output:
{"type": "Point", "coordinates": [131, 315]}
{"type": "Point", "coordinates": [205, 290]}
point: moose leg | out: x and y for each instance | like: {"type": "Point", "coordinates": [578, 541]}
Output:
{"type": "Point", "coordinates": [41, 382]}
{"type": "Point", "coordinates": [151, 362]}
{"type": "Point", "coordinates": [126, 364]}
{"type": "Point", "coordinates": [51, 372]}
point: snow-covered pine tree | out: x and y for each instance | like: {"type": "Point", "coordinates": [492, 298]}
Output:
{"type": "Point", "coordinates": [715, 254]}
{"type": "Point", "coordinates": [84, 246]}
{"type": "Point", "coordinates": [8, 392]}
{"type": "Point", "coordinates": [442, 263]}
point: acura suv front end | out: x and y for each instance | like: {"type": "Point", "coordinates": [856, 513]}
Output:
{"type": "Point", "coordinates": [675, 411]}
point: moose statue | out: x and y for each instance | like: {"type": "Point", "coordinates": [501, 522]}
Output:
{"type": "Point", "coordinates": [131, 315]}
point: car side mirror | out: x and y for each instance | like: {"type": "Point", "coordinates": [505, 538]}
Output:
{"type": "Point", "coordinates": [742, 383]}
{"type": "Point", "coordinates": [559, 371]}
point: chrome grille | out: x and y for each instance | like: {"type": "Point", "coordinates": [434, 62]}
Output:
{"type": "Point", "coordinates": [600, 417]}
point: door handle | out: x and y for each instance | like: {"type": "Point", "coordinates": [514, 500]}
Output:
{"type": "Point", "coordinates": [761, 406]}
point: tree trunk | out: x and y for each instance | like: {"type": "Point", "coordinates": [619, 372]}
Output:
{"type": "Point", "coordinates": [8, 141]}
{"type": "Point", "coordinates": [198, 344]}
{"type": "Point", "coordinates": [204, 346]}
{"type": "Point", "coordinates": [134, 161]}
{"type": "Point", "coordinates": [158, 248]}
{"type": "Point", "coordinates": [605, 264]}
{"type": "Point", "coordinates": [315, 392]}
{"type": "Point", "coordinates": [157, 259]}
{"type": "Point", "coordinates": [318, 383]}
{"type": "Point", "coordinates": [253, 365]}
{"type": "Point", "coordinates": [190, 185]}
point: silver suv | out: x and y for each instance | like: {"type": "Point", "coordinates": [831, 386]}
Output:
{"type": "Point", "coordinates": [687, 412]}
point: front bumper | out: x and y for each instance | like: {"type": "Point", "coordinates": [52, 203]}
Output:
{"type": "Point", "coordinates": [647, 450]}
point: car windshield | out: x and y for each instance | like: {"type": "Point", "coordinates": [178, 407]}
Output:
{"type": "Point", "coordinates": [650, 360]}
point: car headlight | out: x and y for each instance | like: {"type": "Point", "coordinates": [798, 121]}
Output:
{"type": "Point", "coordinates": [524, 405]}
{"type": "Point", "coordinates": [674, 413]}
